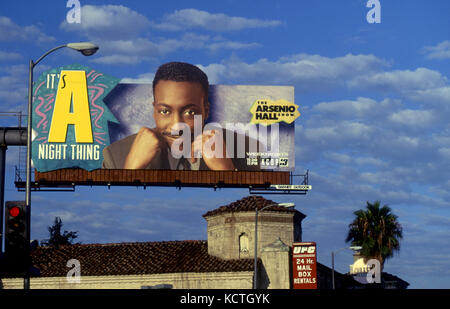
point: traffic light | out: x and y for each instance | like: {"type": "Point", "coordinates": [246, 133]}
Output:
{"type": "Point", "coordinates": [17, 245]}
{"type": "Point", "coordinates": [16, 228]}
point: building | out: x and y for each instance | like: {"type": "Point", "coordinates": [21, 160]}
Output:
{"type": "Point", "coordinates": [361, 267]}
{"type": "Point", "coordinates": [224, 261]}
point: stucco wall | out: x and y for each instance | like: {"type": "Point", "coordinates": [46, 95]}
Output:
{"type": "Point", "coordinates": [276, 260]}
{"type": "Point", "coordinates": [224, 231]}
{"type": "Point", "coordinates": [231, 280]}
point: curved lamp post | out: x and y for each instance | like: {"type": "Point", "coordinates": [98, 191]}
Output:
{"type": "Point", "coordinates": [87, 49]}
{"type": "Point", "coordinates": [255, 271]}
{"type": "Point", "coordinates": [354, 248]}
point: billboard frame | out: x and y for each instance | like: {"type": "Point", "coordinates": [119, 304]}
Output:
{"type": "Point", "coordinates": [67, 179]}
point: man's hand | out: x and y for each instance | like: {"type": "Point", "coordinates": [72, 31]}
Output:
{"type": "Point", "coordinates": [213, 160]}
{"type": "Point", "coordinates": [147, 144]}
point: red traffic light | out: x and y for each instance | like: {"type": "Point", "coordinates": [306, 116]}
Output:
{"type": "Point", "coordinates": [14, 211]}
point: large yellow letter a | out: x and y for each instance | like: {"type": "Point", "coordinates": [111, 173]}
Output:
{"type": "Point", "coordinates": [72, 91]}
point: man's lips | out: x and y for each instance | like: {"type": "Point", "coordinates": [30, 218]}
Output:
{"type": "Point", "coordinates": [173, 136]}
{"type": "Point", "coordinates": [170, 136]}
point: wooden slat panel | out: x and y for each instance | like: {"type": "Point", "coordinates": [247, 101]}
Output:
{"type": "Point", "coordinates": [228, 177]}
{"type": "Point", "coordinates": [165, 177]}
{"type": "Point", "coordinates": [162, 176]}
{"type": "Point", "coordinates": [203, 177]}
{"type": "Point", "coordinates": [256, 179]}
{"type": "Point", "coordinates": [155, 178]}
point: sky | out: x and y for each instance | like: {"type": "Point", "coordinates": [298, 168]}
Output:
{"type": "Point", "coordinates": [374, 101]}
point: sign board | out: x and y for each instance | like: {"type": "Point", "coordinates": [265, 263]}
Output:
{"type": "Point", "coordinates": [292, 187]}
{"type": "Point", "coordinates": [304, 255]}
{"type": "Point", "coordinates": [86, 119]}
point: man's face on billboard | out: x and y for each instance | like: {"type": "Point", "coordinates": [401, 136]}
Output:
{"type": "Point", "coordinates": [176, 102]}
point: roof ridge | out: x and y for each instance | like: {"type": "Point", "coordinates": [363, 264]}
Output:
{"type": "Point", "coordinates": [131, 258]}
{"type": "Point", "coordinates": [124, 243]}
{"type": "Point", "coordinates": [248, 203]}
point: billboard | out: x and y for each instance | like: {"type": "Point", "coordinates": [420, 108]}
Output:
{"type": "Point", "coordinates": [304, 255]}
{"type": "Point", "coordinates": [85, 119]}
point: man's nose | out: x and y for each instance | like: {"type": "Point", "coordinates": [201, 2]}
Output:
{"type": "Point", "coordinates": [176, 118]}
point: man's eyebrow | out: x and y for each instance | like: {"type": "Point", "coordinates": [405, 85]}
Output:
{"type": "Point", "coordinates": [163, 105]}
{"type": "Point", "coordinates": [191, 106]}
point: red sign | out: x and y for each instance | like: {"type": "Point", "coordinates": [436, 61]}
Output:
{"type": "Point", "coordinates": [304, 265]}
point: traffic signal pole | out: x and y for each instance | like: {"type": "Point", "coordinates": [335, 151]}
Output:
{"type": "Point", "coordinates": [9, 136]}
{"type": "Point", "coordinates": [2, 191]}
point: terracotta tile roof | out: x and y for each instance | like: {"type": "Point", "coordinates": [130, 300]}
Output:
{"type": "Point", "coordinates": [249, 203]}
{"type": "Point", "coordinates": [134, 259]}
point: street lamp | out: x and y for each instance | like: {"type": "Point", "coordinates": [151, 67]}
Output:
{"type": "Point", "coordinates": [255, 272]}
{"type": "Point", "coordinates": [354, 248]}
{"type": "Point", "coordinates": [87, 49]}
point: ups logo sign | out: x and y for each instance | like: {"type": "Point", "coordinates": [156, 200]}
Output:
{"type": "Point", "coordinates": [305, 249]}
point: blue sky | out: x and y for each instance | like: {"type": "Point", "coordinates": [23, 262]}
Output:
{"type": "Point", "coordinates": [374, 98]}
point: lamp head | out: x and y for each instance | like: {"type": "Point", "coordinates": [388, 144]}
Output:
{"type": "Point", "coordinates": [355, 248]}
{"type": "Point", "coordinates": [286, 205]}
{"type": "Point", "coordinates": [86, 48]}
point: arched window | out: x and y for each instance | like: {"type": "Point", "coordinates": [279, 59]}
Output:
{"type": "Point", "coordinates": [243, 242]}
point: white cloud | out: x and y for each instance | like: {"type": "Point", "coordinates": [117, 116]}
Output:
{"type": "Point", "coordinates": [146, 78]}
{"type": "Point", "coordinates": [306, 72]}
{"type": "Point", "coordinates": [445, 152]}
{"type": "Point", "coordinates": [108, 22]}
{"type": "Point", "coordinates": [231, 45]}
{"type": "Point", "coordinates": [344, 131]}
{"type": "Point", "coordinates": [136, 50]}
{"type": "Point", "coordinates": [123, 36]}
{"type": "Point", "coordinates": [338, 157]}
{"type": "Point", "coordinates": [118, 59]}
{"type": "Point", "coordinates": [7, 56]}
{"type": "Point", "coordinates": [359, 108]}
{"type": "Point", "coordinates": [349, 160]}
{"type": "Point", "coordinates": [401, 81]}
{"type": "Point", "coordinates": [193, 18]}
{"type": "Point", "coordinates": [370, 161]}
{"type": "Point", "coordinates": [437, 97]}
{"type": "Point", "coordinates": [440, 51]}
{"type": "Point", "coordinates": [13, 87]}
{"type": "Point", "coordinates": [10, 31]}
{"type": "Point", "coordinates": [415, 118]}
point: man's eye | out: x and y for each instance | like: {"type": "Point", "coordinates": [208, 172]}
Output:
{"type": "Point", "coordinates": [190, 113]}
{"type": "Point", "coordinates": [164, 112]}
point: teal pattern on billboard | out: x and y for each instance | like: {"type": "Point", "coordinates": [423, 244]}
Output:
{"type": "Point", "coordinates": [48, 155]}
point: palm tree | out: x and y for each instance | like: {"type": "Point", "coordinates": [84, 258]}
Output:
{"type": "Point", "coordinates": [56, 238]}
{"type": "Point", "coordinates": [377, 231]}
